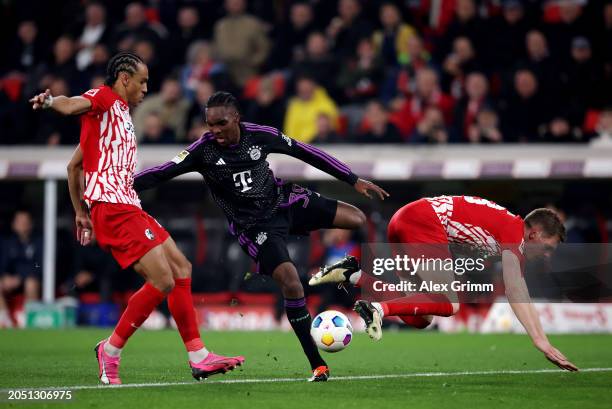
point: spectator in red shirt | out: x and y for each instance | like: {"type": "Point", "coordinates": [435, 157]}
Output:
{"type": "Point", "coordinates": [376, 127]}
{"type": "Point", "coordinates": [427, 94]}
{"type": "Point", "coordinates": [475, 99]}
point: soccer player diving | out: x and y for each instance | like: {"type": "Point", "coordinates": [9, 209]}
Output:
{"type": "Point", "coordinates": [428, 226]}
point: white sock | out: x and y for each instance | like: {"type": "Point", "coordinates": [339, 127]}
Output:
{"type": "Point", "coordinates": [198, 356]}
{"type": "Point", "coordinates": [379, 308]}
{"type": "Point", "coordinates": [354, 278]}
{"type": "Point", "coordinates": [5, 319]}
{"type": "Point", "coordinates": [112, 350]}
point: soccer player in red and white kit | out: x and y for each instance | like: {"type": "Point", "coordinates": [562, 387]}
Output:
{"type": "Point", "coordinates": [430, 225]}
{"type": "Point", "coordinates": [107, 205]}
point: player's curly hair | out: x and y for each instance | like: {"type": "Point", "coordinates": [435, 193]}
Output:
{"type": "Point", "coordinates": [124, 61]}
{"type": "Point", "coordinates": [222, 99]}
{"type": "Point", "coordinates": [548, 220]}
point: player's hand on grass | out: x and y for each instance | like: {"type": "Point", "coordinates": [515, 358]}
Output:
{"type": "Point", "coordinates": [365, 187]}
{"type": "Point", "coordinates": [85, 234]}
{"type": "Point", "coordinates": [555, 356]}
{"type": "Point", "coordinates": [38, 102]}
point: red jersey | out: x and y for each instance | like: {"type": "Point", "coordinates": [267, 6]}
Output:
{"type": "Point", "coordinates": [108, 143]}
{"type": "Point", "coordinates": [480, 224]}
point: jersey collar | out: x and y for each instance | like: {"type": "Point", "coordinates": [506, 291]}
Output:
{"type": "Point", "coordinates": [116, 94]}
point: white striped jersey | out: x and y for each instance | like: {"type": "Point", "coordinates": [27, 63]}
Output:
{"type": "Point", "coordinates": [108, 143]}
{"type": "Point", "coordinates": [480, 224]}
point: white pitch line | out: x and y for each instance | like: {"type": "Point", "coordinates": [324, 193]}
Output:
{"type": "Point", "coordinates": [279, 380]}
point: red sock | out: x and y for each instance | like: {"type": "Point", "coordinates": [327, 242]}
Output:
{"type": "Point", "coordinates": [415, 321]}
{"type": "Point", "coordinates": [180, 303]}
{"type": "Point", "coordinates": [419, 304]}
{"type": "Point", "coordinates": [140, 305]}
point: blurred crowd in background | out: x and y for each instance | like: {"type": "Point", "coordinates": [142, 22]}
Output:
{"type": "Point", "coordinates": [220, 266]}
{"type": "Point", "coordinates": [323, 71]}
{"type": "Point", "coordinates": [89, 274]}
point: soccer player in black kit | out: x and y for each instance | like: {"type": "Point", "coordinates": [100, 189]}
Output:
{"type": "Point", "coordinates": [262, 210]}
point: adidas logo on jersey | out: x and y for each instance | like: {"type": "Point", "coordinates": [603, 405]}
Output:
{"type": "Point", "coordinates": [221, 162]}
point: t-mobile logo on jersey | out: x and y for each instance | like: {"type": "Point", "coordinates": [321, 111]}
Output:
{"type": "Point", "coordinates": [243, 180]}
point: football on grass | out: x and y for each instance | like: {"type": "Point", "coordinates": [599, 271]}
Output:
{"type": "Point", "coordinates": [332, 331]}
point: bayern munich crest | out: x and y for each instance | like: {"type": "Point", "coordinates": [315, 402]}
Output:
{"type": "Point", "coordinates": [255, 152]}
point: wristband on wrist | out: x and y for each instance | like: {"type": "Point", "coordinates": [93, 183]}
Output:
{"type": "Point", "coordinates": [47, 102]}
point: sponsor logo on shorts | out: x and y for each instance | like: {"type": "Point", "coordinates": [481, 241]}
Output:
{"type": "Point", "coordinates": [261, 237]}
{"type": "Point", "coordinates": [149, 234]}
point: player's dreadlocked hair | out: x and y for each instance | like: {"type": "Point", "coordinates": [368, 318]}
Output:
{"type": "Point", "coordinates": [222, 99]}
{"type": "Point", "coordinates": [123, 61]}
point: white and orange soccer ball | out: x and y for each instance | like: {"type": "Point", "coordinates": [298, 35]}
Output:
{"type": "Point", "coordinates": [332, 331]}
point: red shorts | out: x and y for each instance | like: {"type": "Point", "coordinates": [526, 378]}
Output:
{"type": "Point", "coordinates": [418, 225]}
{"type": "Point", "coordinates": [126, 231]}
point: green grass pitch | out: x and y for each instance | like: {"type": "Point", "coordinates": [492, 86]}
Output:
{"type": "Point", "coordinates": [422, 362]}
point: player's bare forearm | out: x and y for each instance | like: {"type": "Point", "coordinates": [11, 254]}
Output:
{"type": "Point", "coordinates": [518, 296]}
{"type": "Point", "coordinates": [61, 104]}
{"type": "Point", "coordinates": [527, 315]}
{"type": "Point", "coordinates": [85, 233]}
{"type": "Point", "coordinates": [71, 105]}
{"type": "Point", "coordinates": [75, 181]}
{"type": "Point", "coordinates": [520, 302]}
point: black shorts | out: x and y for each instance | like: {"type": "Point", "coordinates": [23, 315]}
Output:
{"type": "Point", "coordinates": [302, 212]}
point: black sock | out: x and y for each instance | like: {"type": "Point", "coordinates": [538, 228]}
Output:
{"type": "Point", "coordinates": [300, 321]}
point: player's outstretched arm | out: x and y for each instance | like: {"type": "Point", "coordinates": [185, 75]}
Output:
{"type": "Point", "coordinates": [62, 104]}
{"type": "Point", "coordinates": [75, 186]}
{"type": "Point", "coordinates": [325, 162]}
{"type": "Point", "coordinates": [182, 163]}
{"type": "Point", "coordinates": [520, 302]}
